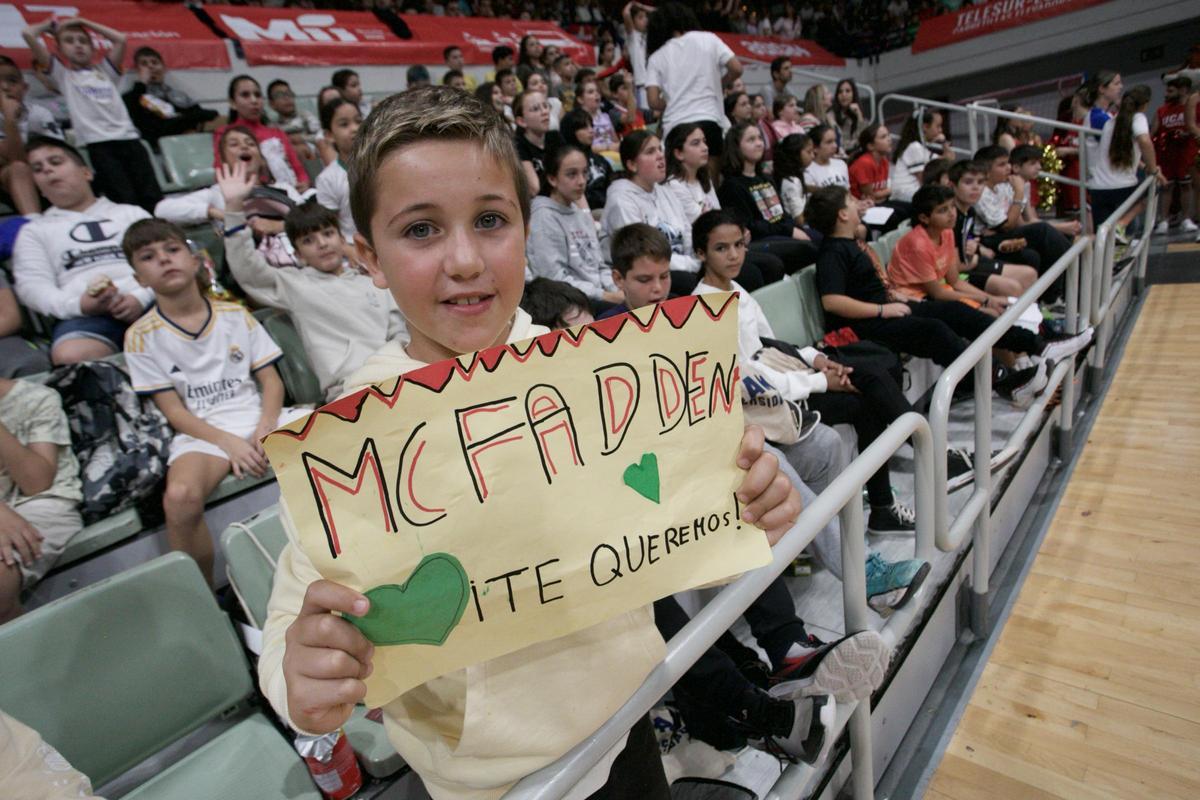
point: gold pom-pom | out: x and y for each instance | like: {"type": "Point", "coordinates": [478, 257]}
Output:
{"type": "Point", "coordinates": [1047, 187]}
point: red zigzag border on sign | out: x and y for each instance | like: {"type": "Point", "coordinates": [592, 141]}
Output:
{"type": "Point", "coordinates": [436, 377]}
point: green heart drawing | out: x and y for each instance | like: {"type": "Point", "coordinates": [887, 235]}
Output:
{"type": "Point", "coordinates": [423, 610]}
{"type": "Point", "coordinates": [643, 477]}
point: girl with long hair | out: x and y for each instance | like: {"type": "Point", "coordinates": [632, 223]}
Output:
{"type": "Point", "coordinates": [689, 179]}
{"type": "Point", "coordinates": [1124, 142]}
{"type": "Point", "coordinates": [754, 201]}
{"type": "Point", "coordinates": [246, 109]}
{"type": "Point", "coordinates": [576, 129]}
{"type": "Point", "coordinates": [826, 168]}
{"type": "Point", "coordinates": [847, 113]}
{"type": "Point", "coordinates": [921, 141]}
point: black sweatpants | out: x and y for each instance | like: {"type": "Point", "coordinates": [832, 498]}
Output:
{"type": "Point", "coordinates": [1045, 245]}
{"type": "Point", "coordinates": [714, 688]}
{"type": "Point", "coordinates": [880, 403]}
{"type": "Point", "coordinates": [936, 329]}
{"type": "Point", "coordinates": [637, 770]}
{"type": "Point", "coordinates": [124, 173]}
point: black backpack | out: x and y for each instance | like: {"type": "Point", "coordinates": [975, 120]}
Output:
{"type": "Point", "coordinates": [120, 438]}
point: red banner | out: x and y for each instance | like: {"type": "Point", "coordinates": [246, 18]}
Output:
{"type": "Point", "coordinates": [980, 20]}
{"type": "Point", "coordinates": [306, 37]}
{"type": "Point", "coordinates": [173, 30]}
{"type": "Point", "coordinates": [802, 52]}
{"type": "Point", "coordinates": [478, 36]}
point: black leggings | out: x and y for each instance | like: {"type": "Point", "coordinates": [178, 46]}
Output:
{"type": "Point", "coordinates": [880, 403]}
{"type": "Point", "coordinates": [1045, 245]}
{"type": "Point", "coordinates": [637, 770]}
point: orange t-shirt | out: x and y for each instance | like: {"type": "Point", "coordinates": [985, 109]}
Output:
{"type": "Point", "coordinates": [917, 260]}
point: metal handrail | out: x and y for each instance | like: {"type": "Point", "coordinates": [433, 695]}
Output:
{"type": "Point", "coordinates": [842, 496]}
{"type": "Point", "coordinates": [921, 103]}
{"type": "Point", "coordinates": [978, 355]}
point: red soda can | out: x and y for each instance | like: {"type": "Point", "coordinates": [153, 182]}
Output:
{"type": "Point", "coordinates": [332, 764]}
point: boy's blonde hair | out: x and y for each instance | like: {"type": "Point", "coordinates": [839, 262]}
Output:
{"type": "Point", "coordinates": [430, 113]}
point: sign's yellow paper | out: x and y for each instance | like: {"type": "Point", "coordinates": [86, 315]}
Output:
{"type": "Point", "coordinates": [527, 491]}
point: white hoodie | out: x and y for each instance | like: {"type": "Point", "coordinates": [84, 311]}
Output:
{"type": "Point", "coordinates": [60, 253]}
{"type": "Point", "coordinates": [472, 733]}
{"type": "Point", "coordinates": [627, 203]}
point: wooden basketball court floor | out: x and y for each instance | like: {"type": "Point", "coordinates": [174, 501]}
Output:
{"type": "Point", "coordinates": [1093, 688]}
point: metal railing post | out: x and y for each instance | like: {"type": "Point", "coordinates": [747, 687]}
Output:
{"type": "Point", "coordinates": [972, 130]}
{"type": "Point", "coordinates": [1084, 212]}
{"type": "Point", "coordinates": [983, 485]}
{"type": "Point", "coordinates": [854, 603]}
{"type": "Point", "coordinates": [1067, 421]}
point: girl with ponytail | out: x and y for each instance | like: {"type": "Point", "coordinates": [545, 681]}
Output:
{"type": "Point", "coordinates": [1124, 142]}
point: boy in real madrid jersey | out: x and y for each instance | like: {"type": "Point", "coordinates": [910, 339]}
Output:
{"type": "Point", "coordinates": [200, 359]}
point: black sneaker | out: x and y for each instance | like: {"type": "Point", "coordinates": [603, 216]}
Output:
{"type": "Point", "coordinates": [896, 518]}
{"type": "Point", "coordinates": [791, 729]}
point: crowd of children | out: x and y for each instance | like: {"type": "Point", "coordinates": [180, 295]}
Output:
{"type": "Point", "coordinates": [390, 259]}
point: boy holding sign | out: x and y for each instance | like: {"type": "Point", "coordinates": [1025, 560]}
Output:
{"type": "Point", "coordinates": [441, 207]}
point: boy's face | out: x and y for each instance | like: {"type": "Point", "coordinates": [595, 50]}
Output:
{"type": "Point", "coordinates": [647, 282]}
{"type": "Point", "coordinates": [999, 171]}
{"type": "Point", "coordinates": [321, 250]}
{"type": "Point", "coordinates": [353, 89]}
{"type": "Point", "coordinates": [508, 62]}
{"type": "Point", "coordinates": [168, 267]}
{"type": "Point", "coordinates": [455, 59]}
{"type": "Point", "coordinates": [1029, 170]}
{"type": "Point", "coordinates": [725, 253]}
{"type": "Point", "coordinates": [942, 217]}
{"type": "Point", "coordinates": [458, 82]}
{"type": "Point", "coordinates": [61, 179]}
{"type": "Point", "coordinates": [969, 188]}
{"type": "Point", "coordinates": [75, 45]}
{"type": "Point", "coordinates": [12, 83]}
{"type": "Point", "coordinates": [449, 242]}
{"type": "Point", "coordinates": [535, 114]}
{"type": "Point", "coordinates": [508, 85]}
{"type": "Point", "coordinates": [151, 69]}
{"type": "Point", "coordinates": [283, 101]}
{"type": "Point", "coordinates": [640, 20]}
{"type": "Point", "coordinates": [566, 69]}
{"type": "Point", "coordinates": [784, 75]}
{"type": "Point", "coordinates": [849, 215]}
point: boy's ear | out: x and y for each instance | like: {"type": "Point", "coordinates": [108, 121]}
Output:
{"type": "Point", "coordinates": [618, 279]}
{"type": "Point", "coordinates": [367, 255]}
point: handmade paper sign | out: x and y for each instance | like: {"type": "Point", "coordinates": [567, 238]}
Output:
{"type": "Point", "coordinates": [521, 493]}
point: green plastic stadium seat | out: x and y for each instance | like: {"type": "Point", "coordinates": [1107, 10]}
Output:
{"type": "Point", "coordinates": [188, 159]}
{"type": "Point", "coordinates": [249, 760]}
{"type": "Point", "coordinates": [251, 549]}
{"type": "Point", "coordinates": [812, 316]}
{"type": "Point", "coordinates": [780, 302]}
{"type": "Point", "coordinates": [99, 535]}
{"type": "Point", "coordinates": [160, 175]}
{"type": "Point", "coordinates": [301, 382]}
{"type": "Point", "coordinates": [884, 245]}
{"type": "Point", "coordinates": [230, 485]}
{"type": "Point", "coordinates": [113, 673]}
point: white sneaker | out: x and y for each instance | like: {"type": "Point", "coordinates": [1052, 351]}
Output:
{"type": "Point", "coordinates": [850, 669]}
{"type": "Point", "coordinates": [1188, 226]}
{"type": "Point", "coordinates": [1024, 395]}
{"type": "Point", "coordinates": [1065, 348]}
{"type": "Point", "coordinates": [1161, 228]}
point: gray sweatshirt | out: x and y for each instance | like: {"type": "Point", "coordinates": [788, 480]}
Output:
{"type": "Point", "coordinates": [563, 246]}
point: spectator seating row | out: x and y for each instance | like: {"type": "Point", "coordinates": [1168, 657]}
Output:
{"type": "Point", "coordinates": [251, 551]}
{"type": "Point", "coordinates": [139, 632]}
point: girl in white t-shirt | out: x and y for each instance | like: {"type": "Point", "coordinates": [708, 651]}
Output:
{"type": "Point", "coordinates": [688, 177]}
{"type": "Point", "coordinates": [1124, 142]}
{"type": "Point", "coordinates": [922, 133]}
{"type": "Point", "coordinates": [826, 168]}
{"type": "Point", "coordinates": [340, 119]}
